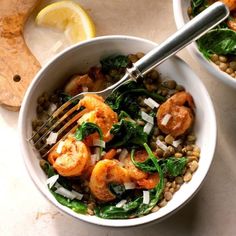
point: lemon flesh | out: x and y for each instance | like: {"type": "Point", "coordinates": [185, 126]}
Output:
{"type": "Point", "coordinates": [69, 17]}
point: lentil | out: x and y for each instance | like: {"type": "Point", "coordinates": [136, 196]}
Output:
{"type": "Point", "coordinates": [187, 176]}
{"type": "Point", "coordinates": [193, 166]}
{"type": "Point", "coordinates": [179, 180]}
{"type": "Point", "coordinates": [168, 196]}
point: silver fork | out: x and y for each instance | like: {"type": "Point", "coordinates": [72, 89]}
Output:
{"type": "Point", "coordinates": [194, 29]}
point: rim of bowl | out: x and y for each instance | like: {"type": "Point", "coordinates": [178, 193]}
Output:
{"type": "Point", "coordinates": [117, 223]}
{"type": "Point", "coordinates": [193, 49]}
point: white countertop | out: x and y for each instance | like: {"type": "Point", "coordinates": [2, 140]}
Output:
{"type": "Point", "coordinates": [24, 211]}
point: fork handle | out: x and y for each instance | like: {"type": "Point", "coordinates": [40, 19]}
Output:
{"type": "Point", "coordinates": [194, 29]}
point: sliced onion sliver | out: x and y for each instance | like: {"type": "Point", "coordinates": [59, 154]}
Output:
{"type": "Point", "coordinates": [129, 185]}
{"type": "Point", "coordinates": [146, 197]}
{"type": "Point", "coordinates": [99, 143]}
{"type": "Point", "coordinates": [60, 146]}
{"type": "Point", "coordinates": [147, 118]}
{"type": "Point", "coordinates": [161, 145]}
{"type": "Point", "coordinates": [151, 103]}
{"type": "Point", "coordinates": [176, 143]}
{"type": "Point", "coordinates": [65, 192]}
{"type": "Point", "coordinates": [52, 138]}
{"type": "Point", "coordinates": [121, 203]}
{"type": "Point", "coordinates": [79, 196]}
{"type": "Point", "coordinates": [52, 180]}
{"type": "Point", "coordinates": [166, 119]}
{"type": "Point", "coordinates": [147, 128]}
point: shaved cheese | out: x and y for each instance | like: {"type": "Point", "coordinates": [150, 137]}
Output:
{"type": "Point", "coordinates": [147, 118]}
{"type": "Point", "coordinates": [93, 159]}
{"type": "Point", "coordinates": [52, 180]}
{"type": "Point", "coordinates": [146, 197]}
{"type": "Point", "coordinates": [65, 192]}
{"type": "Point", "coordinates": [161, 145]}
{"type": "Point", "coordinates": [99, 143]}
{"type": "Point", "coordinates": [52, 138]}
{"type": "Point", "coordinates": [78, 196]}
{"type": "Point", "coordinates": [84, 88]}
{"type": "Point", "coordinates": [97, 152]}
{"type": "Point", "coordinates": [129, 185]}
{"type": "Point", "coordinates": [57, 185]}
{"type": "Point", "coordinates": [147, 128]}
{"type": "Point", "coordinates": [57, 46]}
{"type": "Point", "coordinates": [176, 143]}
{"type": "Point", "coordinates": [151, 103]}
{"type": "Point", "coordinates": [123, 154]}
{"type": "Point", "coordinates": [121, 203]}
{"type": "Point", "coordinates": [52, 108]}
{"type": "Point", "coordinates": [59, 147]}
{"type": "Point", "coordinates": [166, 119]}
{"type": "Point", "coordinates": [118, 150]}
{"type": "Point", "coordinates": [103, 153]}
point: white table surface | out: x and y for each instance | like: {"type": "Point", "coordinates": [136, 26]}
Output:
{"type": "Point", "coordinates": [24, 211]}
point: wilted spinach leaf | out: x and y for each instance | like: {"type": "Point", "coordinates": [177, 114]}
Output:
{"type": "Point", "coordinates": [125, 98]}
{"type": "Point", "coordinates": [174, 166]}
{"type": "Point", "coordinates": [114, 62]}
{"type": "Point", "coordinates": [117, 189]}
{"type": "Point", "coordinates": [127, 134]}
{"type": "Point", "coordinates": [74, 204]}
{"type": "Point", "coordinates": [86, 129]}
{"type": "Point", "coordinates": [218, 41]}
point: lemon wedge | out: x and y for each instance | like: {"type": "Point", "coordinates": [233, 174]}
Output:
{"type": "Point", "coordinates": [69, 17]}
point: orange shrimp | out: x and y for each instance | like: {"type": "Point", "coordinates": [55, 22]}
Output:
{"type": "Point", "coordinates": [232, 21]}
{"type": "Point", "coordinates": [180, 108]}
{"type": "Point", "coordinates": [73, 159]}
{"type": "Point", "coordinates": [76, 84]}
{"type": "Point", "coordinates": [143, 179]}
{"type": "Point", "coordinates": [105, 172]}
{"type": "Point", "coordinates": [100, 114]}
{"type": "Point", "coordinates": [230, 3]}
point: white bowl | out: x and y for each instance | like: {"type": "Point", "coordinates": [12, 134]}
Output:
{"type": "Point", "coordinates": [181, 18]}
{"type": "Point", "coordinates": [79, 58]}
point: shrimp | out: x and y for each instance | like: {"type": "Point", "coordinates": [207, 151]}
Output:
{"type": "Point", "coordinates": [77, 83]}
{"type": "Point", "coordinates": [232, 21]}
{"type": "Point", "coordinates": [105, 172]}
{"type": "Point", "coordinates": [231, 4]}
{"type": "Point", "coordinates": [73, 159]}
{"type": "Point", "coordinates": [180, 108]}
{"type": "Point", "coordinates": [141, 178]}
{"type": "Point", "coordinates": [100, 114]}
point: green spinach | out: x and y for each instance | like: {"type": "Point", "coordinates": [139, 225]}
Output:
{"type": "Point", "coordinates": [114, 62]}
{"type": "Point", "coordinates": [218, 41]}
{"type": "Point", "coordinates": [198, 6]}
{"type": "Point", "coordinates": [86, 129]}
{"type": "Point", "coordinates": [127, 134]}
{"type": "Point", "coordinates": [74, 204]}
{"type": "Point", "coordinates": [125, 98]}
{"type": "Point", "coordinates": [171, 166]}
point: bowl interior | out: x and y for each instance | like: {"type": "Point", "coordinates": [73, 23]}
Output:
{"type": "Point", "coordinates": [78, 59]}
{"type": "Point", "coordinates": [181, 18]}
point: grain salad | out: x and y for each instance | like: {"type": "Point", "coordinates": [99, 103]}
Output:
{"type": "Point", "coordinates": [129, 153]}
{"type": "Point", "coordinates": [219, 44]}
